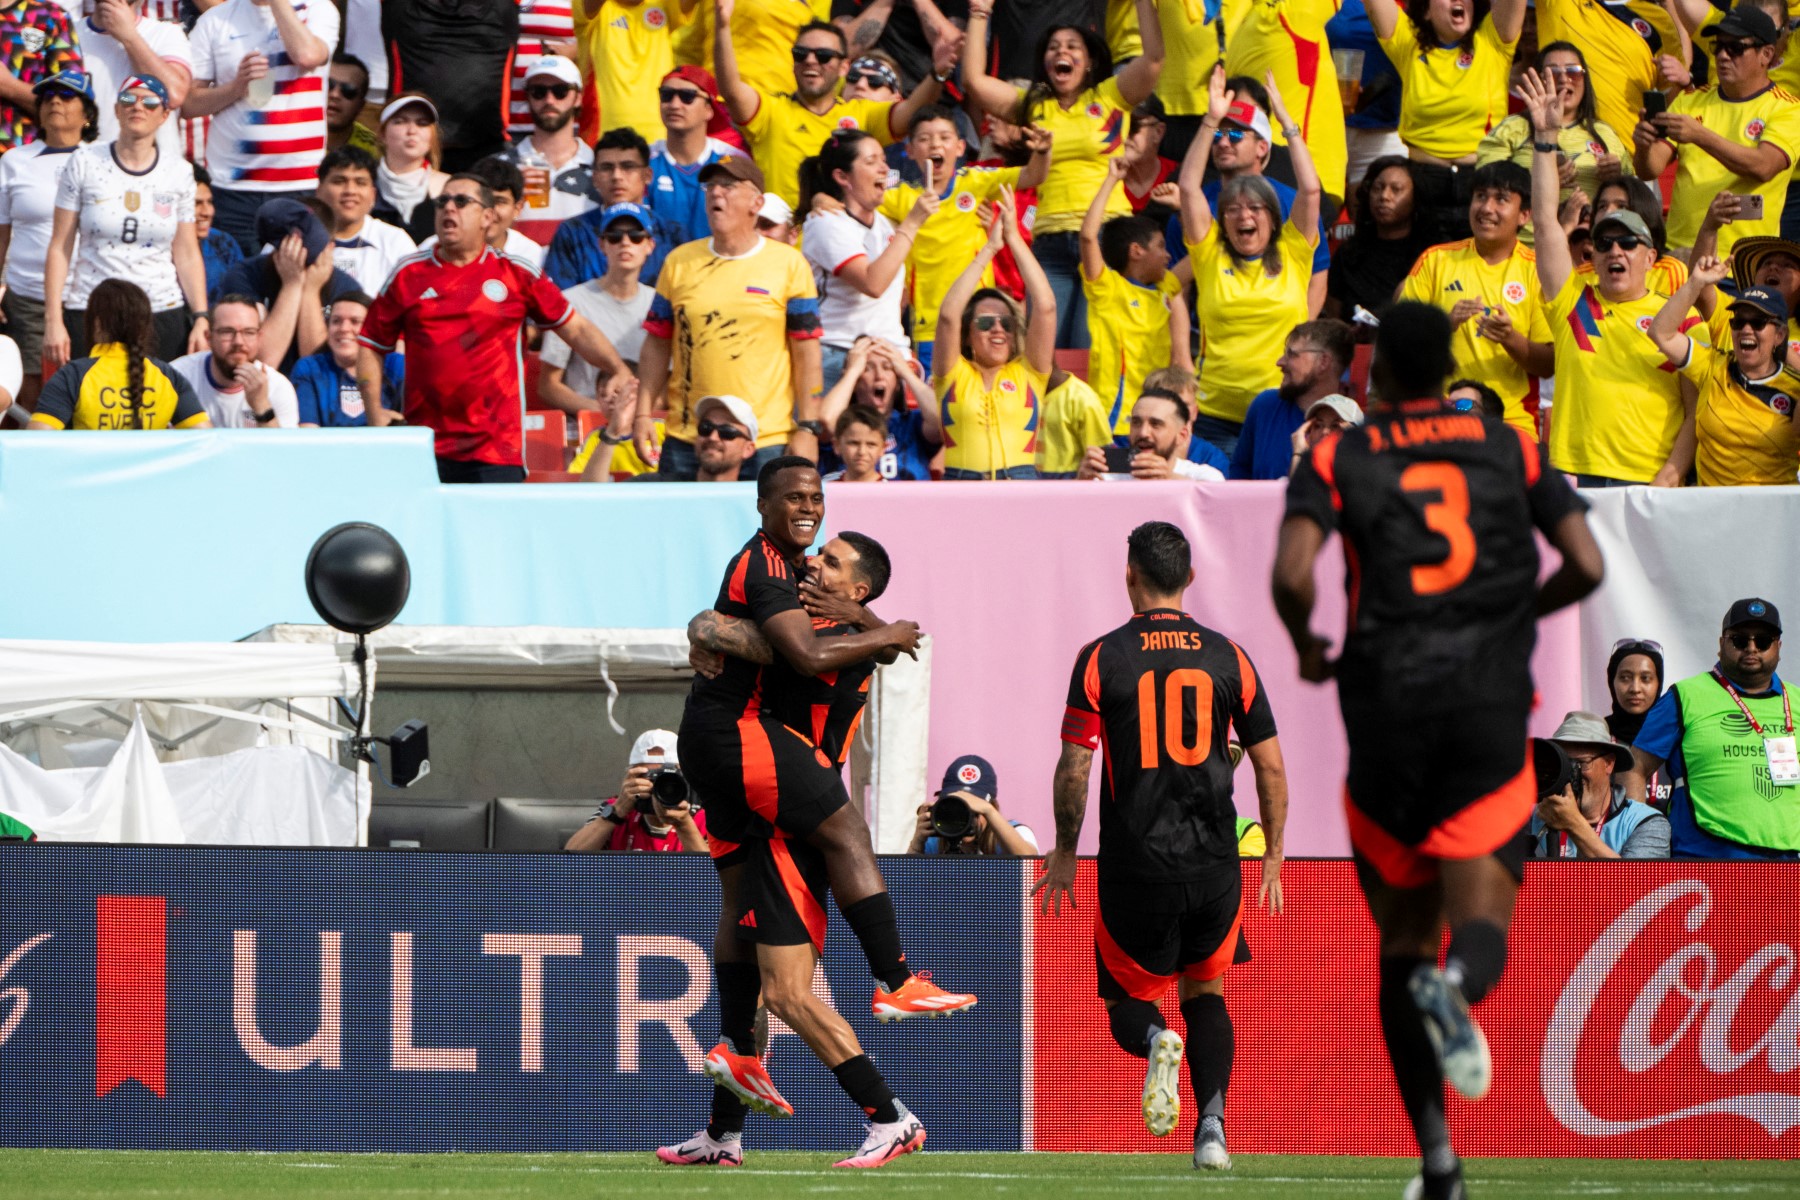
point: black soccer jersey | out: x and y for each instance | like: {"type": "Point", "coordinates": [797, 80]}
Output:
{"type": "Point", "coordinates": [1160, 696]}
{"type": "Point", "coordinates": [1437, 510]}
{"type": "Point", "coordinates": [759, 584]}
{"type": "Point", "coordinates": [827, 707]}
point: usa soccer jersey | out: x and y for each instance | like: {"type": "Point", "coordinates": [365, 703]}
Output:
{"type": "Point", "coordinates": [464, 328]}
{"type": "Point", "coordinates": [128, 221]}
{"type": "Point", "coordinates": [276, 144]}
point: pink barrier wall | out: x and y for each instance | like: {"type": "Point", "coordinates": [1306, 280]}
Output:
{"type": "Point", "coordinates": [1011, 585]}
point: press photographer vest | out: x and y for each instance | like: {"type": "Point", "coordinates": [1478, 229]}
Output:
{"type": "Point", "coordinates": [1727, 772]}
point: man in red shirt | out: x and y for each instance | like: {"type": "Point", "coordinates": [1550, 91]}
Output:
{"type": "Point", "coordinates": [635, 819]}
{"type": "Point", "coordinates": [461, 310]}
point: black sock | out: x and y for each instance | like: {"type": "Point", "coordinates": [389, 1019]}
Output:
{"type": "Point", "coordinates": [1134, 1023]}
{"type": "Point", "coordinates": [872, 920]}
{"type": "Point", "coordinates": [739, 985]}
{"type": "Point", "coordinates": [1211, 1046]}
{"type": "Point", "coordinates": [863, 1083]}
{"type": "Point", "coordinates": [1477, 957]}
{"type": "Point", "coordinates": [1415, 1063]}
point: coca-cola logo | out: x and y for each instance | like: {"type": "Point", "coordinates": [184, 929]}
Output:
{"type": "Point", "coordinates": [1686, 997]}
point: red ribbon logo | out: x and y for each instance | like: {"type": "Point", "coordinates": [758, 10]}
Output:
{"type": "Point", "coordinates": [130, 992]}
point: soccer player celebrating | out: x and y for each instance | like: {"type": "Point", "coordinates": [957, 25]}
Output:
{"type": "Point", "coordinates": [1162, 693]}
{"type": "Point", "coordinates": [1437, 510]}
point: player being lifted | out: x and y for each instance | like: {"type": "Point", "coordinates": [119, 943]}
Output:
{"type": "Point", "coordinates": [777, 804]}
{"type": "Point", "coordinates": [1162, 694]}
{"type": "Point", "coordinates": [1437, 510]}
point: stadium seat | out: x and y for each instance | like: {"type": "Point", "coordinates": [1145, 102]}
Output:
{"type": "Point", "coordinates": [533, 364]}
{"type": "Point", "coordinates": [586, 423]}
{"type": "Point", "coordinates": [546, 441]}
{"type": "Point", "coordinates": [1075, 362]}
{"type": "Point", "coordinates": [521, 824]}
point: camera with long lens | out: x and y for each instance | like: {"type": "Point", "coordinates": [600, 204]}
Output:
{"type": "Point", "coordinates": [952, 818]}
{"type": "Point", "coordinates": [669, 787]}
{"type": "Point", "coordinates": [1554, 770]}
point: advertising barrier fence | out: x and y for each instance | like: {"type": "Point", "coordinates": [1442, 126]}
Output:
{"type": "Point", "coordinates": [351, 1000]}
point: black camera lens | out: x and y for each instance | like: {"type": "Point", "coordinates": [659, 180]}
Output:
{"type": "Point", "coordinates": [1552, 766]}
{"type": "Point", "coordinates": [952, 818]}
{"type": "Point", "coordinates": [669, 787]}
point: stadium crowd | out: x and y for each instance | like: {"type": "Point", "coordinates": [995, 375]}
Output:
{"type": "Point", "coordinates": [976, 240]}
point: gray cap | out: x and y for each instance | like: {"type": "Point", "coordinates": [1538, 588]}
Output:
{"type": "Point", "coordinates": [1342, 405]}
{"type": "Point", "coordinates": [1587, 729]}
{"type": "Point", "coordinates": [1633, 224]}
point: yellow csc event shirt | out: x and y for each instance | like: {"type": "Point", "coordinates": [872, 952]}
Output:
{"type": "Point", "coordinates": [95, 393]}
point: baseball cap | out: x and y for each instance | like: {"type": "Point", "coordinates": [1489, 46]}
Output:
{"type": "Point", "coordinates": [1752, 611]}
{"type": "Point", "coordinates": [737, 166]}
{"type": "Point", "coordinates": [74, 81]}
{"type": "Point", "coordinates": [1587, 729]}
{"type": "Point", "coordinates": [774, 209]}
{"type": "Point", "coordinates": [1245, 113]}
{"type": "Point", "coordinates": [653, 739]}
{"type": "Point", "coordinates": [738, 408]}
{"type": "Point", "coordinates": [149, 83]}
{"type": "Point", "coordinates": [1763, 300]}
{"type": "Point", "coordinates": [399, 102]}
{"type": "Point", "coordinates": [700, 77]}
{"type": "Point", "coordinates": [1343, 406]}
{"type": "Point", "coordinates": [637, 212]}
{"type": "Point", "coordinates": [1745, 21]}
{"type": "Point", "coordinates": [280, 217]}
{"type": "Point", "coordinates": [1633, 224]}
{"type": "Point", "coordinates": [553, 66]}
{"type": "Point", "coordinates": [972, 774]}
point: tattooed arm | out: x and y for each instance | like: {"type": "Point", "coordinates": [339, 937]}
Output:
{"type": "Point", "coordinates": [863, 30]}
{"type": "Point", "coordinates": [736, 636]}
{"type": "Point", "coordinates": [1069, 798]}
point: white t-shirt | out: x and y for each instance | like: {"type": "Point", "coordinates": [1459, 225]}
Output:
{"type": "Point", "coordinates": [517, 246]}
{"type": "Point", "coordinates": [12, 367]}
{"type": "Point", "coordinates": [621, 321]}
{"type": "Point", "coordinates": [127, 221]}
{"type": "Point", "coordinates": [226, 406]}
{"type": "Point", "coordinates": [832, 240]}
{"type": "Point", "coordinates": [274, 146]}
{"type": "Point", "coordinates": [105, 61]}
{"type": "Point", "coordinates": [371, 256]}
{"type": "Point", "coordinates": [28, 176]}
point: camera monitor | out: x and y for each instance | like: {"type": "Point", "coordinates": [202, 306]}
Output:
{"type": "Point", "coordinates": [429, 824]}
{"type": "Point", "coordinates": [538, 824]}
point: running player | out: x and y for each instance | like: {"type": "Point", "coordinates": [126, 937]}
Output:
{"type": "Point", "coordinates": [1437, 510]}
{"type": "Point", "coordinates": [1162, 693]}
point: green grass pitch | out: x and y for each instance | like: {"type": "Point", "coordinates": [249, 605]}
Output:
{"type": "Point", "coordinates": [145, 1175]}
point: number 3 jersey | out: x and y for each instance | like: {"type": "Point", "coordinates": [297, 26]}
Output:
{"type": "Point", "coordinates": [1159, 696]}
{"type": "Point", "coordinates": [1437, 510]}
{"type": "Point", "coordinates": [127, 223]}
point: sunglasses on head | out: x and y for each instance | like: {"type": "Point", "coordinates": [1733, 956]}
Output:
{"type": "Point", "coordinates": [989, 321]}
{"type": "Point", "coordinates": [819, 54]}
{"type": "Point", "coordinates": [1628, 643]}
{"type": "Point", "coordinates": [1762, 640]}
{"type": "Point", "coordinates": [725, 433]}
{"type": "Point", "coordinates": [538, 91]}
{"type": "Point", "coordinates": [348, 91]}
{"type": "Point", "coordinates": [1234, 136]}
{"type": "Point", "coordinates": [459, 199]}
{"type": "Point", "coordinates": [133, 100]}
{"type": "Point", "coordinates": [636, 237]}
{"type": "Point", "coordinates": [1624, 241]}
{"type": "Point", "coordinates": [685, 95]}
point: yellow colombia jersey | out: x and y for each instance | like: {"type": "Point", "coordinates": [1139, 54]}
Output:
{"type": "Point", "coordinates": [1195, 33]}
{"type": "Point", "coordinates": [1448, 274]}
{"type": "Point", "coordinates": [1086, 134]}
{"type": "Point", "coordinates": [1245, 317]}
{"type": "Point", "coordinates": [785, 133]}
{"type": "Point", "coordinates": [94, 393]}
{"type": "Point", "coordinates": [629, 48]}
{"type": "Point", "coordinates": [949, 242]}
{"type": "Point", "coordinates": [1450, 97]}
{"type": "Point", "coordinates": [762, 33]}
{"type": "Point", "coordinates": [1618, 401]}
{"type": "Point", "coordinates": [986, 428]}
{"type": "Point", "coordinates": [1279, 36]}
{"type": "Point", "coordinates": [1620, 53]}
{"type": "Point", "coordinates": [1744, 431]}
{"type": "Point", "coordinates": [1718, 328]}
{"type": "Point", "coordinates": [1771, 116]}
{"type": "Point", "coordinates": [625, 462]}
{"type": "Point", "coordinates": [728, 321]}
{"type": "Point", "coordinates": [1666, 275]}
{"type": "Point", "coordinates": [1123, 39]}
{"type": "Point", "coordinates": [1128, 328]}
{"type": "Point", "coordinates": [1072, 419]}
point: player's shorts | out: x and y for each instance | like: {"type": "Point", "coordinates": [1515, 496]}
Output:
{"type": "Point", "coordinates": [1427, 785]}
{"type": "Point", "coordinates": [756, 776]}
{"type": "Point", "coordinates": [1147, 935]}
{"type": "Point", "coordinates": [783, 894]}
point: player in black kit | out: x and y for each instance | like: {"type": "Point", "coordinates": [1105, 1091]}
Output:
{"type": "Point", "coordinates": [1162, 694]}
{"type": "Point", "coordinates": [1437, 510]}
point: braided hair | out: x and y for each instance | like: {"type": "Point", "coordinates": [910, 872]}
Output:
{"type": "Point", "coordinates": [119, 312]}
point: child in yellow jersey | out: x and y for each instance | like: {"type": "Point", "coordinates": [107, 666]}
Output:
{"type": "Point", "coordinates": [1488, 285]}
{"type": "Point", "coordinates": [1072, 418]}
{"type": "Point", "coordinates": [954, 235]}
{"type": "Point", "coordinates": [1137, 321]}
{"type": "Point", "coordinates": [990, 365]}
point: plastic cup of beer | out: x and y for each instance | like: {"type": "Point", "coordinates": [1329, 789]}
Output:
{"type": "Point", "coordinates": [537, 187]}
{"type": "Point", "coordinates": [1349, 67]}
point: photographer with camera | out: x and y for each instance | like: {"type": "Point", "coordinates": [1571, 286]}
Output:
{"type": "Point", "coordinates": [1581, 812]}
{"type": "Point", "coordinates": [655, 809]}
{"type": "Point", "coordinates": [965, 817]}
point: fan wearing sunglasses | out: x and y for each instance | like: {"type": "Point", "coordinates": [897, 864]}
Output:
{"type": "Point", "coordinates": [1727, 736]}
{"type": "Point", "coordinates": [617, 304]}
{"type": "Point", "coordinates": [1621, 418]}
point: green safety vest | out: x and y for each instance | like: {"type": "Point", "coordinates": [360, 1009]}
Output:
{"type": "Point", "coordinates": [1727, 778]}
{"type": "Point", "coordinates": [15, 830]}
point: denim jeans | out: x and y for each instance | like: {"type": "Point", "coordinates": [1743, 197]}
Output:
{"type": "Point", "coordinates": [1221, 433]}
{"type": "Point", "coordinates": [1024, 472]}
{"type": "Point", "coordinates": [1060, 256]}
{"type": "Point", "coordinates": [678, 459]}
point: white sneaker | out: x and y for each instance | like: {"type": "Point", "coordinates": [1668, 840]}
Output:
{"type": "Point", "coordinates": [1461, 1047]}
{"type": "Point", "coordinates": [704, 1150]}
{"type": "Point", "coordinates": [1209, 1146]}
{"type": "Point", "coordinates": [888, 1141]}
{"type": "Point", "coordinates": [1162, 1084]}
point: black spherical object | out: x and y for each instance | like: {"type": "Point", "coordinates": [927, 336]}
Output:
{"type": "Point", "coordinates": [357, 577]}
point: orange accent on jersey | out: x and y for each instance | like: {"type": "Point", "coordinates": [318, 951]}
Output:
{"type": "Point", "coordinates": [1090, 680]}
{"type": "Point", "coordinates": [1448, 517]}
{"type": "Point", "coordinates": [820, 714]}
{"type": "Point", "coordinates": [1324, 460]}
{"type": "Point", "coordinates": [1479, 828]}
{"type": "Point", "coordinates": [1137, 982]}
{"type": "Point", "coordinates": [735, 590]}
{"type": "Point", "coordinates": [718, 847]}
{"type": "Point", "coordinates": [759, 769]}
{"type": "Point", "coordinates": [812, 913]}
{"type": "Point", "coordinates": [1533, 462]}
{"type": "Point", "coordinates": [1216, 963]}
{"type": "Point", "coordinates": [850, 734]}
{"type": "Point", "coordinates": [1246, 676]}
